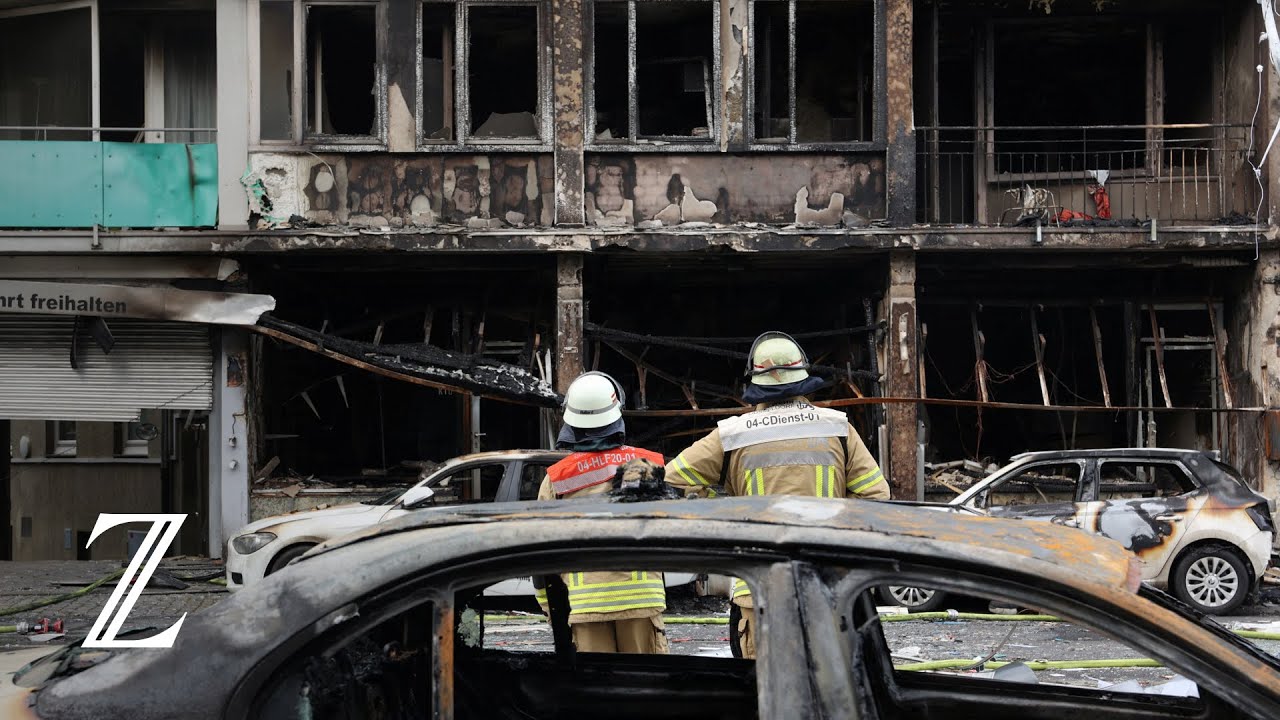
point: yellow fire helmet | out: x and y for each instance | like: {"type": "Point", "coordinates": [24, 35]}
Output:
{"type": "Point", "coordinates": [776, 359]}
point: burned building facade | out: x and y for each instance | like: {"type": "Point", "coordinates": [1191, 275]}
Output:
{"type": "Point", "coordinates": [996, 226]}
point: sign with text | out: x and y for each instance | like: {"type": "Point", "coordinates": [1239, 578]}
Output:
{"type": "Point", "coordinates": [126, 301]}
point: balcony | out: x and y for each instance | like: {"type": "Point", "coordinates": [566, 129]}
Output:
{"type": "Point", "coordinates": [82, 184]}
{"type": "Point", "coordinates": [1092, 176]}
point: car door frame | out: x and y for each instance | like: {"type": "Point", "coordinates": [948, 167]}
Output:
{"type": "Point", "coordinates": [770, 573]}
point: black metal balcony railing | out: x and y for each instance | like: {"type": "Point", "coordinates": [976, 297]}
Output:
{"type": "Point", "coordinates": [1093, 175]}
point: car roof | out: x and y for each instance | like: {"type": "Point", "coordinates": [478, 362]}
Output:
{"type": "Point", "coordinates": [505, 455]}
{"type": "Point", "coordinates": [1064, 553]}
{"type": "Point", "coordinates": [1128, 452]}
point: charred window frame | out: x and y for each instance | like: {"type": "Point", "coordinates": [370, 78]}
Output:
{"type": "Point", "coordinates": [447, 115]}
{"type": "Point", "coordinates": [309, 105]}
{"type": "Point", "coordinates": [786, 19]}
{"type": "Point", "coordinates": [1131, 141]}
{"type": "Point", "coordinates": [631, 15]}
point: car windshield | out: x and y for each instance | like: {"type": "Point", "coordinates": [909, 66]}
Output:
{"type": "Point", "coordinates": [387, 498]}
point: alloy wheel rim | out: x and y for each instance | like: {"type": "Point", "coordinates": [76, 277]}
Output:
{"type": "Point", "coordinates": [1212, 581]}
{"type": "Point", "coordinates": [910, 596]}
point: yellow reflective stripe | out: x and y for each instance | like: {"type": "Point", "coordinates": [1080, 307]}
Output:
{"type": "Point", "coordinates": [859, 484]}
{"type": "Point", "coordinates": [684, 470]}
{"type": "Point", "coordinates": [831, 481]}
{"type": "Point", "coordinates": [817, 483]}
{"type": "Point", "coordinates": [541, 595]}
{"type": "Point", "coordinates": [759, 481]}
{"type": "Point", "coordinates": [616, 608]}
{"type": "Point", "coordinates": [740, 588]}
{"type": "Point", "coordinates": [579, 585]}
{"type": "Point", "coordinates": [576, 598]}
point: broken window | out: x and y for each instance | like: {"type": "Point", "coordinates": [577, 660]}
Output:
{"type": "Point", "coordinates": [437, 70]}
{"type": "Point", "coordinates": [482, 70]}
{"type": "Point", "coordinates": [1123, 480]}
{"type": "Point", "coordinates": [803, 91]}
{"type": "Point", "coordinates": [1039, 484]}
{"type": "Point", "coordinates": [342, 70]}
{"type": "Point", "coordinates": [477, 483]}
{"type": "Point", "coordinates": [1046, 656]}
{"type": "Point", "coordinates": [328, 86]}
{"type": "Point", "coordinates": [503, 70]}
{"type": "Point", "coordinates": [662, 85]}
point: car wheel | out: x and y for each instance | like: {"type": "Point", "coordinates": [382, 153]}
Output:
{"type": "Point", "coordinates": [1211, 578]}
{"type": "Point", "coordinates": [287, 555]}
{"type": "Point", "coordinates": [914, 599]}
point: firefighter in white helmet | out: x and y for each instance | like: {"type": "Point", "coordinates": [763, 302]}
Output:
{"type": "Point", "coordinates": [785, 446]}
{"type": "Point", "coordinates": [615, 611]}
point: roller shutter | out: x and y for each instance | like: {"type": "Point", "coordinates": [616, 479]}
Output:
{"type": "Point", "coordinates": [153, 365]}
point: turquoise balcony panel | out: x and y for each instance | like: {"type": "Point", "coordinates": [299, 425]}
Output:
{"type": "Point", "coordinates": [50, 184]}
{"type": "Point", "coordinates": [80, 184]}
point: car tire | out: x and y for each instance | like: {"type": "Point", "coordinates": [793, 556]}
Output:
{"type": "Point", "coordinates": [287, 555]}
{"type": "Point", "coordinates": [1211, 578]}
{"type": "Point", "coordinates": [914, 599]}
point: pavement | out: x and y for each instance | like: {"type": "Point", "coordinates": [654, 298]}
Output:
{"type": "Point", "coordinates": [22, 583]}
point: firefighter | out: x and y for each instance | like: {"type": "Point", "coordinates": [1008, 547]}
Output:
{"type": "Point", "coordinates": [785, 446]}
{"type": "Point", "coordinates": [616, 611]}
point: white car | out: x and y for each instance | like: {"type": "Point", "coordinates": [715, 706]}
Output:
{"type": "Point", "coordinates": [263, 547]}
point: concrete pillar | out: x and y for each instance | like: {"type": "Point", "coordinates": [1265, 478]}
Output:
{"type": "Point", "coordinates": [734, 45]}
{"type": "Point", "coordinates": [228, 438]}
{"type": "Point", "coordinates": [901, 370]}
{"type": "Point", "coordinates": [567, 105]}
{"type": "Point", "coordinates": [900, 159]}
{"type": "Point", "coordinates": [1253, 361]}
{"type": "Point", "coordinates": [233, 112]}
{"type": "Point", "coordinates": [569, 319]}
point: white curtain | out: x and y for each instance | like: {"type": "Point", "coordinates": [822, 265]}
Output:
{"type": "Point", "coordinates": [190, 78]}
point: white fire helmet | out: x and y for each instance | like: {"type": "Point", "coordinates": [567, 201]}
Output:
{"type": "Point", "coordinates": [776, 359]}
{"type": "Point", "coordinates": [594, 400]}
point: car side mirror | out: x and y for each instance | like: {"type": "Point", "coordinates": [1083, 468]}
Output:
{"type": "Point", "coordinates": [417, 495]}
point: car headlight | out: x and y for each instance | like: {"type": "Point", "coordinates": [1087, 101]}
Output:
{"type": "Point", "coordinates": [252, 542]}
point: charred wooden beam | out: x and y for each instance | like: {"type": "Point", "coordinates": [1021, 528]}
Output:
{"type": "Point", "coordinates": [1037, 339]}
{"type": "Point", "coordinates": [1156, 332]}
{"type": "Point", "coordinates": [1097, 352]}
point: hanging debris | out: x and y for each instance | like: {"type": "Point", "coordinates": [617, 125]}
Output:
{"type": "Point", "coordinates": [422, 364]}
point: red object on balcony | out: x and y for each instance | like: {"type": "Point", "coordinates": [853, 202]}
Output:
{"type": "Point", "coordinates": [1100, 199]}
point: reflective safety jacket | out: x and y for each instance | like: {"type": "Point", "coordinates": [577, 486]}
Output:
{"type": "Point", "coordinates": [609, 595]}
{"type": "Point", "coordinates": [786, 448]}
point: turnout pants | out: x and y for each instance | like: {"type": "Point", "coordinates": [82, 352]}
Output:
{"type": "Point", "coordinates": [641, 635]}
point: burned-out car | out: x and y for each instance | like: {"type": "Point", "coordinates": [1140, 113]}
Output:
{"type": "Point", "coordinates": [382, 623]}
{"type": "Point", "coordinates": [1197, 527]}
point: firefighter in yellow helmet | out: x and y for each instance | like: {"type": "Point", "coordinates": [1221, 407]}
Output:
{"type": "Point", "coordinates": [785, 446]}
{"type": "Point", "coordinates": [615, 611]}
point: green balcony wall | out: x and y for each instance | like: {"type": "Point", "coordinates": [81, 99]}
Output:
{"type": "Point", "coordinates": [82, 184]}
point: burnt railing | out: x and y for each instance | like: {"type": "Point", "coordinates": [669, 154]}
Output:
{"type": "Point", "coordinates": [1052, 175]}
